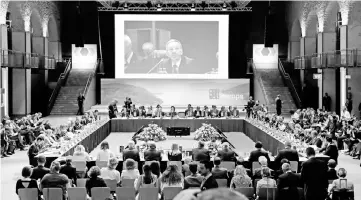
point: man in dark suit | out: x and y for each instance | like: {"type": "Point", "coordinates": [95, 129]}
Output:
{"type": "Point", "coordinates": [189, 111]}
{"type": "Point", "coordinates": [131, 152]}
{"type": "Point", "coordinates": [258, 153]}
{"type": "Point", "coordinates": [217, 171]}
{"type": "Point", "coordinates": [200, 153]}
{"type": "Point", "coordinates": [233, 112]}
{"type": "Point", "coordinates": [134, 111]}
{"type": "Point", "coordinates": [226, 154]}
{"type": "Point", "coordinates": [250, 104]}
{"type": "Point", "coordinates": [209, 182]}
{"type": "Point", "coordinates": [288, 153]}
{"type": "Point", "coordinates": [197, 113]}
{"type": "Point", "coordinates": [288, 183]}
{"type": "Point", "coordinates": [331, 149]}
{"type": "Point", "coordinates": [69, 170]}
{"type": "Point", "coordinates": [314, 176]}
{"type": "Point", "coordinates": [40, 171]}
{"type": "Point", "coordinates": [214, 112]}
{"type": "Point", "coordinates": [152, 154]}
{"type": "Point", "coordinates": [332, 173]}
{"type": "Point", "coordinates": [131, 60]}
{"type": "Point", "coordinates": [176, 63]}
{"type": "Point", "coordinates": [158, 112]}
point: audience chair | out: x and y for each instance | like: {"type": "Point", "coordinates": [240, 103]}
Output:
{"type": "Point", "coordinates": [229, 165]}
{"type": "Point", "coordinates": [112, 184]}
{"type": "Point", "coordinates": [80, 167]}
{"type": "Point", "coordinates": [148, 193]}
{"type": "Point", "coordinates": [128, 183]}
{"type": "Point", "coordinates": [101, 164]}
{"type": "Point", "coordinates": [343, 194]}
{"type": "Point", "coordinates": [136, 165]}
{"type": "Point", "coordinates": [222, 183]}
{"type": "Point", "coordinates": [170, 192]}
{"type": "Point", "coordinates": [100, 193]}
{"type": "Point", "coordinates": [77, 193]}
{"type": "Point", "coordinates": [28, 194]}
{"type": "Point", "coordinates": [53, 194]}
{"type": "Point", "coordinates": [294, 166]}
{"type": "Point", "coordinates": [125, 193]}
{"type": "Point", "coordinates": [255, 165]}
{"type": "Point", "coordinates": [246, 191]}
{"type": "Point", "coordinates": [80, 182]}
{"type": "Point", "coordinates": [267, 193]}
{"type": "Point", "coordinates": [177, 163]}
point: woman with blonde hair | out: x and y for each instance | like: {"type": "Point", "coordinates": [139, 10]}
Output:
{"type": "Point", "coordinates": [240, 178]}
{"type": "Point", "coordinates": [80, 154]}
{"type": "Point", "coordinates": [175, 154]}
{"type": "Point", "coordinates": [171, 178]}
{"type": "Point", "coordinates": [110, 171]}
{"type": "Point", "coordinates": [130, 172]}
{"type": "Point", "coordinates": [105, 154]}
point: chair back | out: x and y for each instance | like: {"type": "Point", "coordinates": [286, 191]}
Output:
{"type": "Point", "coordinates": [53, 194]}
{"type": "Point", "coordinates": [181, 115]}
{"type": "Point", "coordinates": [147, 186]}
{"type": "Point", "coordinates": [343, 194]}
{"type": "Point", "coordinates": [229, 165]}
{"type": "Point", "coordinates": [148, 193]}
{"type": "Point", "coordinates": [112, 184]}
{"type": "Point", "coordinates": [80, 166]}
{"type": "Point", "coordinates": [100, 193]}
{"type": "Point", "coordinates": [267, 193]}
{"type": "Point", "coordinates": [128, 183]}
{"type": "Point", "coordinates": [80, 182]}
{"type": "Point", "coordinates": [170, 192]}
{"type": "Point", "coordinates": [255, 165]}
{"type": "Point", "coordinates": [28, 194]}
{"type": "Point", "coordinates": [222, 183]}
{"type": "Point", "coordinates": [101, 163]}
{"type": "Point", "coordinates": [246, 191]}
{"type": "Point", "coordinates": [77, 193]}
{"type": "Point", "coordinates": [124, 166]}
{"type": "Point", "coordinates": [177, 163]}
{"type": "Point", "coordinates": [125, 193]}
{"type": "Point", "coordinates": [294, 166]}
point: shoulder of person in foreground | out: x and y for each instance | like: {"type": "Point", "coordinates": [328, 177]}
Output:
{"type": "Point", "coordinates": [212, 194]}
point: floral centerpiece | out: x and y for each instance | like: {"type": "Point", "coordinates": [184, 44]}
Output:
{"type": "Point", "coordinates": [152, 132]}
{"type": "Point", "coordinates": [206, 132]}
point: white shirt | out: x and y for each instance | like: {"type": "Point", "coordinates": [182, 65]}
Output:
{"type": "Point", "coordinates": [346, 114]}
{"type": "Point", "coordinates": [105, 155]}
{"type": "Point", "coordinates": [176, 63]}
{"type": "Point", "coordinates": [130, 174]}
{"type": "Point", "coordinates": [111, 174]}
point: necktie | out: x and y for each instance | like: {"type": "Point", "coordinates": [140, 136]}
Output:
{"type": "Point", "coordinates": [175, 69]}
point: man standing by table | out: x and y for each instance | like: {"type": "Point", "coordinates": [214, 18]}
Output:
{"type": "Point", "coordinates": [249, 107]}
{"type": "Point", "coordinates": [278, 105]}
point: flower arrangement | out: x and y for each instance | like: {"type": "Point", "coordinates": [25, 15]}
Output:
{"type": "Point", "coordinates": [206, 132]}
{"type": "Point", "coordinates": [152, 132]}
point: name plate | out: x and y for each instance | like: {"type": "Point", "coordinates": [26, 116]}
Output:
{"type": "Point", "coordinates": [178, 131]}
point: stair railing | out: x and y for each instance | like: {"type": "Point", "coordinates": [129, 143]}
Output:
{"type": "Point", "coordinates": [90, 77]}
{"type": "Point", "coordinates": [288, 80]}
{"type": "Point", "coordinates": [61, 82]}
{"type": "Point", "coordinates": [258, 77]}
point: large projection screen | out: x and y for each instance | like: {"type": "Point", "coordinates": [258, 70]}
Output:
{"type": "Point", "coordinates": [171, 46]}
{"type": "Point", "coordinates": [178, 93]}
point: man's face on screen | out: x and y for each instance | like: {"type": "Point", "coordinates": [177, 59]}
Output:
{"type": "Point", "coordinates": [174, 50]}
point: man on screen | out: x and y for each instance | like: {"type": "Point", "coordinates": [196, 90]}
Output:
{"type": "Point", "coordinates": [176, 63]}
{"type": "Point", "coordinates": [149, 59]}
{"type": "Point", "coordinates": [131, 60]}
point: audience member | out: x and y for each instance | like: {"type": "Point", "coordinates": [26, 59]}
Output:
{"type": "Point", "coordinates": [69, 170]}
{"type": "Point", "coordinates": [104, 154]}
{"type": "Point", "coordinates": [194, 180]}
{"type": "Point", "coordinates": [55, 180]}
{"type": "Point", "coordinates": [130, 172]}
{"type": "Point", "coordinates": [200, 153]}
{"type": "Point", "coordinates": [258, 153]}
{"type": "Point", "coordinates": [146, 180]}
{"type": "Point", "coordinates": [185, 167]}
{"type": "Point", "coordinates": [240, 178]}
{"type": "Point", "coordinates": [331, 149]}
{"type": "Point", "coordinates": [80, 154]}
{"type": "Point", "coordinates": [288, 153]}
{"type": "Point", "coordinates": [131, 152]}
{"type": "Point", "coordinates": [34, 150]}
{"type": "Point", "coordinates": [205, 168]}
{"type": "Point", "coordinates": [217, 171]}
{"type": "Point", "coordinates": [226, 154]}
{"type": "Point", "coordinates": [155, 167]}
{"type": "Point", "coordinates": [94, 180]}
{"type": "Point", "coordinates": [152, 154]}
{"type": "Point", "coordinates": [266, 181]}
{"type": "Point", "coordinates": [332, 173]}
{"type": "Point", "coordinates": [40, 170]}
{"type": "Point", "coordinates": [110, 172]}
{"type": "Point", "coordinates": [341, 182]}
{"type": "Point", "coordinates": [264, 164]}
{"type": "Point", "coordinates": [26, 181]}
{"type": "Point", "coordinates": [175, 154]}
{"type": "Point", "coordinates": [314, 176]}
{"type": "Point", "coordinates": [288, 183]}
{"type": "Point", "coordinates": [171, 177]}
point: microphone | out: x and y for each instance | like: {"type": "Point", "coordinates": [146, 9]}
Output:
{"type": "Point", "coordinates": [156, 65]}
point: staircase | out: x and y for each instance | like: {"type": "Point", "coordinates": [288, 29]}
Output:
{"type": "Point", "coordinates": [272, 86]}
{"type": "Point", "coordinates": [66, 102]}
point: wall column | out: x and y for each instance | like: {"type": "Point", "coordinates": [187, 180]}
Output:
{"type": "Point", "coordinates": [343, 71]}
{"type": "Point", "coordinates": [293, 48]}
{"type": "Point", "coordinates": [302, 53]}
{"type": "Point", "coordinates": [319, 71]}
{"type": "Point", "coordinates": [4, 74]}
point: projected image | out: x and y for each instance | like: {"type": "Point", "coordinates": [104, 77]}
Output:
{"type": "Point", "coordinates": [176, 48]}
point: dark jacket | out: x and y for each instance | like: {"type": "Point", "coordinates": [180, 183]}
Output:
{"type": "Point", "coordinates": [70, 171]}
{"type": "Point", "coordinates": [287, 186]}
{"type": "Point", "coordinates": [209, 184]}
{"type": "Point", "coordinates": [175, 157]}
{"type": "Point", "coordinates": [226, 155]}
{"type": "Point", "coordinates": [256, 154]}
{"type": "Point", "coordinates": [94, 182]}
{"type": "Point", "coordinates": [289, 154]}
{"type": "Point", "coordinates": [200, 154]}
{"type": "Point", "coordinates": [332, 174]}
{"type": "Point", "coordinates": [314, 177]}
{"type": "Point", "coordinates": [185, 67]}
{"type": "Point", "coordinates": [151, 155]}
{"type": "Point", "coordinates": [132, 154]}
{"type": "Point", "coordinates": [39, 172]}
{"type": "Point", "coordinates": [332, 151]}
{"type": "Point", "coordinates": [220, 173]}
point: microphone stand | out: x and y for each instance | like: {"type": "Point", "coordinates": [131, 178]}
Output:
{"type": "Point", "coordinates": [156, 65]}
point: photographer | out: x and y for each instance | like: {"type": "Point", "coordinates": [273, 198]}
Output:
{"type": "Point", "coordinates": [128, 105]}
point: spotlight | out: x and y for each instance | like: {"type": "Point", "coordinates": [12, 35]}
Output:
{"type": "Point", "coordinates": [159, 8]}
{"type": "Point", "coordinates": [193, 7]}
{"type": "Point", "coordinates": [224, 7]}
{"type": "Point", "coordinates": [125, 6]}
